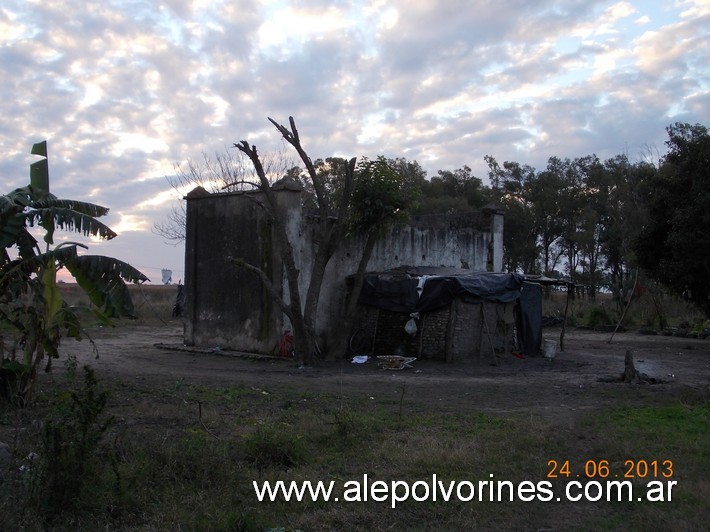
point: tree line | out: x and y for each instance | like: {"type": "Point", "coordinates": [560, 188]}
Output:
{"type": "Point", "coordinates": [597, 223]}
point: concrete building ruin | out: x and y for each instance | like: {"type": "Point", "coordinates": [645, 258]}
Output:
{"type": "Point", "coordinates": [227, 306]}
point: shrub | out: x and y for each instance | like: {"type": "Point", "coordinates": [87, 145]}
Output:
{"type": "Point", "coordinates": [274, 446]}
{"type": "Point", "coordinates": [69, 448]}
{"type": "Point", "coordinates": [599, 316]}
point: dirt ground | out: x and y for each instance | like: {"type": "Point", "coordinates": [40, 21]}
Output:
{"type": "Point", "coordinates": [576, 380]}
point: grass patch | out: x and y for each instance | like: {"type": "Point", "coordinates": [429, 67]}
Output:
{"type": "Point", "coordinates": [164, 465]}
{"type": "Point", "coordinates": [662, 429]}
{"type": "Point", "coordinates": [275, 446]}
{"type": "Point", "coordinates": [153, 304]}
{"type": "Point", "coordinates": [655, 310]}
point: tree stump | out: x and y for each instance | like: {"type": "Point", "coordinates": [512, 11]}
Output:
{"type": "Point", "coordinates": [631, 375]}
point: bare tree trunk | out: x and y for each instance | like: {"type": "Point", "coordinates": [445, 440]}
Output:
{"type": "Point", "coordinates": [293, 308]}
{"type": "Point", "coordinates": [310, 310]}
{"type": "Point", "coordinates": [341, 340]}
{"type": "Point", "coordinates": [331, 230]}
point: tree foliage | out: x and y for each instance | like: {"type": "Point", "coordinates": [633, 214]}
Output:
{"type": "Point", "coordinates": [674, 247]}
{"type": "Point", "coordinates": [452, 191]}
{"type": "Point", "coordinates": [382, 195]}
{"type": "Point", "coordinates": [30, 299]}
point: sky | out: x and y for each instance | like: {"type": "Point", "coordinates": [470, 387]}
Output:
{"type": "Point", "coordinates": [125, 90]}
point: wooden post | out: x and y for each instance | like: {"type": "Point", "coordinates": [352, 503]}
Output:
{"type": "Point", "coordinates": [374, 333]}
{"type": "Point", "coordinates": [570, 287]}
{"type": "Point", "coordinates": [488, 333]}
{"type": "Point", "coordinates": [623, 315]}
{"type": "Point", "coordinates": [449, 356]}
{"type": "Point", "coordinates": [421, 335]}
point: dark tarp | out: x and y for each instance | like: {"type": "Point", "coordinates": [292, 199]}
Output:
{"type": "Point", "coordinates": [401, 295]}
{"type": "Point", "coordinates": [529, 319]}
{"type": "Point", "coordinates": [395, 295]}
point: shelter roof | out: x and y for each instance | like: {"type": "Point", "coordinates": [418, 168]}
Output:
{"type": "Point", "coordinates": [401, 291]}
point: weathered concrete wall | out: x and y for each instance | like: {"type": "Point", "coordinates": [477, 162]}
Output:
{"type": "Point", "coordinates": [229, 307]}
{"type": "Point", "coordinates": [226, 305]}
{"type": "Point", "coordinates": [470, 241]}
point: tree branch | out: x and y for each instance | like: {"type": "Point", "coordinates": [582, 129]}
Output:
{"type": "Point", "coordinates": [242, 182]}
{"type": "Point", "coordinates": [241, 263]}
{"type": "Point", "coordinates": [318, 185]}
{"type": "Point", "coordinates": [264, 186]}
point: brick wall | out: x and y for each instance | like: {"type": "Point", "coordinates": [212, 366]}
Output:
{"type": "Point", "coordinates": [455, 333]}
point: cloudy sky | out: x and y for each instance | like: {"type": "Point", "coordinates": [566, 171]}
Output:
{"type": "Point", "coordinates": [125, 89]}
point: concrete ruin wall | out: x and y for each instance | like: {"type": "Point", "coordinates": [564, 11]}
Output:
{"type": "Point", "coordinates": [227, 306]}
{"type": "Point", "coordinates": [471, 241]}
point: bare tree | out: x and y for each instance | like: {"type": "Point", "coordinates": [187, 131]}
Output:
{"type": "Point", "coordinates": [332, 225]}
{"type": "Point", "coordinates": [226, 171]}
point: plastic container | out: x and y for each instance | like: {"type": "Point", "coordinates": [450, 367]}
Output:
{"type": "Point", "coordinates": [549, 348]}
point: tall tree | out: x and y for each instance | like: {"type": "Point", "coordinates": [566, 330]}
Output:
{"type": "Point", "coordinates": [623, 213]}
{"type": "Point", "coordinates": [674, 247]}
{"type": "Point", "coordinates": [332, 226]}
{"type": "Point", "coordinates": [510, 189]}
{"type": "Point", "coordinates": [548, 209]}
{"type": "Point", "coordinates": [347, 198]}
{"type": "Point", "coordinates": [576, 215]}
{"type": "Point", "coordinates": [593, 215]}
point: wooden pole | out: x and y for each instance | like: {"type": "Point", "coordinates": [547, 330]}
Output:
{"type": "Point", "coordinates": [570, 286]}
{"type": "Point", "coordinates": [488, 333]}
{"type": "Point", "coordinates": [448, 339]}
{"type": "Point", "coordinates": [623, 315]}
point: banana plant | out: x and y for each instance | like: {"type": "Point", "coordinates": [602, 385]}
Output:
{"type": "Point", "coordinates": [31, 303]}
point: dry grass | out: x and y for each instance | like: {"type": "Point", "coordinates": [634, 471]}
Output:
{"type": "Point", "coordinates": [153, 303]}
{"type": "Point", "coordinates": [645, 312]}
{"type": "Point", "coordinates": [185, 457]}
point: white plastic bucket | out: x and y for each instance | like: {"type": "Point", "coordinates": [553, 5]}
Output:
{"type": "Point", "coordinates": [549, 348]}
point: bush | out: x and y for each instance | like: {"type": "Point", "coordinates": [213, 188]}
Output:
{"type": "Point", "coordinates": [599, 316]}
{"type": "Point", "coordinates": [68, 455]}
{"type": "Point", "coordinates": [272, 446]}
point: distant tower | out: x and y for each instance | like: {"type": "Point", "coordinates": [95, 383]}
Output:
{"type": "Point", "coordinates": [167, 276]}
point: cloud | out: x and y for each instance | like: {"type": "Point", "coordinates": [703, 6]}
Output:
{"type": "Point", "coordinates": [123, 90]}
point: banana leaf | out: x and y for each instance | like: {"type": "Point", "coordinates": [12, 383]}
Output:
{"type": "Point", "coordinates": [68, 219]}
{"type": "Point", "coordinates": [103, 280]}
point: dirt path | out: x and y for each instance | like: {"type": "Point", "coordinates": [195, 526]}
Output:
{"type": "Point", "coordinates": [574, 381]}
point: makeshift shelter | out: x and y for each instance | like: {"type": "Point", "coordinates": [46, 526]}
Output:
{"type": "Point", "coordinates": [459, 315]}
